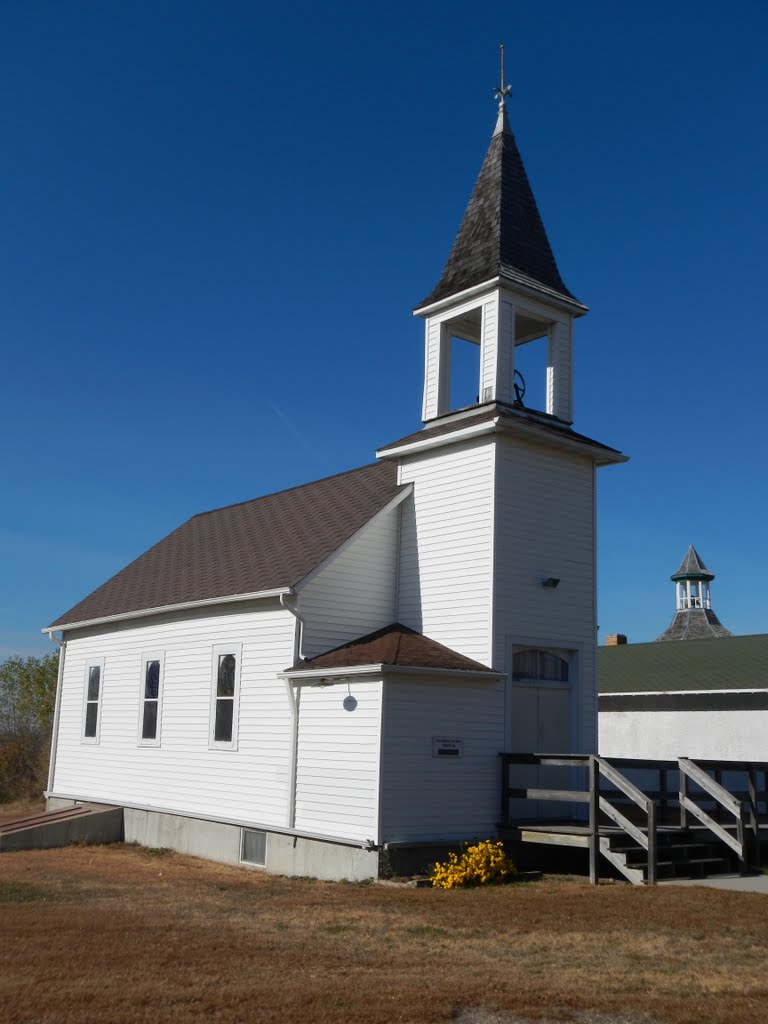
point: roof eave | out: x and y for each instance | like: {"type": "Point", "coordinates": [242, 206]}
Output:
{"type": "Point", "coordinates": [465, 434]}
{"type": "Point", "coordinates": [601, 455]}
{"type": "Point", "coordinates": [141, 613]}
{"type": "Point", "coordinates": [331, 674]}
{"type": "Point", "coordinates": [553, 297]}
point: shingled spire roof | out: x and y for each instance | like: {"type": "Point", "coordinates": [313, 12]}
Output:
{"type": "Point", "coordinates": [692, 568]}
{"type": "Point", "coordinates": [502, 234]}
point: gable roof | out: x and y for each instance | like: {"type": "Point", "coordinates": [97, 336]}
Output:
{"type": "Point", "coordinates": [692, 567]}
{"type": "Point", "coordinates": [733, 663]}
{"type": "Point", "coordinates": [502, 234]}
{"type": "Point", "coordinates": [395, 645]}
{"type": "Point", "coordinates": [260, 545]}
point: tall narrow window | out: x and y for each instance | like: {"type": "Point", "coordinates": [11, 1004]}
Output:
{"type": "Point", "coordinates": [94, 671]}
{"type": "Point", "coordinates": [225, 696]}
{"type": "Point", "coordinates": [151, 700]}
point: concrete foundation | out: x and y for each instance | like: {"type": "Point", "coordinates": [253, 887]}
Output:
{"type": "Point", "coordinates": [221, 841]}
{"type": "Point", "coordinates": [285, 855]}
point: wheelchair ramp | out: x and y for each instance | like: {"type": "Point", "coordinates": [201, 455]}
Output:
{"type": "Point", "coordinates": [81, 823]}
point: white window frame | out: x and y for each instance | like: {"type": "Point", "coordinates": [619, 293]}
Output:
{"type": "Point", "coordinates": [219, 650]}
{"type": "Point", "coordinates": [145, 659]}
{"type": "Point", "coordinates": [92, 663]}
{"type": "Point", "coordinates": [252, 863]}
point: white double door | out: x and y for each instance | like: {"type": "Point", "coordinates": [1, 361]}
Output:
{"type": "Point", "coordinates": [541, 723]}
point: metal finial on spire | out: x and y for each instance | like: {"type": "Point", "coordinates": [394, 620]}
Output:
{"type": "Point", "coordinates": [502, 91]}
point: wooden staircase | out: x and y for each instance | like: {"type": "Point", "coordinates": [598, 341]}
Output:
{"type": "Point", "coordinates": [648, 834]}
{"type": "Point", "coordinates": [681, 853]}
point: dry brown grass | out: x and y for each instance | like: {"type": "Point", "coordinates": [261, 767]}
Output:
{"type": "Point", "coordinates": [121, 935]}
{"type": "Point", "coordinates": [21, 808]}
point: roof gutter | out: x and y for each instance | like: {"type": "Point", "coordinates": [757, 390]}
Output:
{"type": "Point", "coordinates": [290, 602]}
{"type": "Point", "coordinates": [142, 613]}
{"type": "Point", "coordinates": [57, 706]}
{"type": "Point", "coordinates": [329, 676]}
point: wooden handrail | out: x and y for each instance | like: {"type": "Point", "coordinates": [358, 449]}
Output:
{"type": "Point", "coordinates": [747, 821]}
{"type": "Point", "coordinates": [647, 840]}
{"type": "Point", "coordinates": [626, 787]}
{"type": "Point", "coordinates": [710, 786]}
{"type": "Point", "coordinates": [548, 760]}
{"type": "Point", "coordinates": [690, 770]}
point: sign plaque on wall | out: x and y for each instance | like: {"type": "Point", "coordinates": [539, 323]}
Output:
{"type": "Point", "coordinates": [447, 746]}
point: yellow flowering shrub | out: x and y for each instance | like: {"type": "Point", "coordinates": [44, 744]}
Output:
{"type": "Point", "coordinates": [481, 864]}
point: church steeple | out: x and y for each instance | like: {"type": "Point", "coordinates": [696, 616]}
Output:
{"type": "Point", "coordinates": [499, 290]}
{"type": "Point", "coordinates": [694, 618]}
{"type": "Point", "coordinates": [501, 234]}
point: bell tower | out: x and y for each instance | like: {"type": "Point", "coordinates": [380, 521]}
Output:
{"type": "Point", "coordinates": [497, 540]}
{"type": "Point", "coordinates": [500, 290]}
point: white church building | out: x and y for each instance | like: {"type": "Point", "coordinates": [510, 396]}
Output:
{"type": "Point", "coordinates": [310, 678]}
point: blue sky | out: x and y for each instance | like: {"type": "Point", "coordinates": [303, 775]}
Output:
{"type": "Point", "coordinates": [217, 218]}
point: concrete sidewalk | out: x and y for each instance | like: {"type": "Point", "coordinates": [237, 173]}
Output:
{"type": "Point", "coordinates": [736, 883]}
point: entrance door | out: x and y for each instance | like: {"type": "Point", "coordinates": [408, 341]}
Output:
{"type": "Point", "coordinates": [541, 723]}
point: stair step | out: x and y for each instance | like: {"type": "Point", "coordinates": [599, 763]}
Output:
{"type": "Point", "coordinates": [701, 867]}
{"type": "Point", "coordinates": [676, 854]}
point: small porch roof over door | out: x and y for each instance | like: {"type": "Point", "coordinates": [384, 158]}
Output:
{"type": "Point", "coordinates": [392, 648]}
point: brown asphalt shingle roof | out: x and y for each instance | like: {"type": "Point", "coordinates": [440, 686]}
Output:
{"type": "Point", "coordinates": [264, 544]}
{"type": "Point", "coordinates": [394, 645]}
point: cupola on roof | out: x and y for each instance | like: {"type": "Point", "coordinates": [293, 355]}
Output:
{"type": "Point", "coordinates": [694, 618]}
{"type": "Point", "coordinates": [502, 234]}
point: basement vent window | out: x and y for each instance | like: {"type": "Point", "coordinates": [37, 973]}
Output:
{"type": "Point", "coordinates": [253, 848]}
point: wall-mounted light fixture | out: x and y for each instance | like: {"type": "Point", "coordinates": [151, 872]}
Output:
{"type": "Point", "coordinates": [551, 582]}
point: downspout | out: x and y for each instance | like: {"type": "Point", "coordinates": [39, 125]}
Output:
{"type": "Point", "coordinates": [57, 708]}
{"type": "Point", "coordinates": [290, 602]}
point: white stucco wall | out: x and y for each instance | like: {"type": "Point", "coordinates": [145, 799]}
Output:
{"type": "Point", "coordinates": [713, 735]}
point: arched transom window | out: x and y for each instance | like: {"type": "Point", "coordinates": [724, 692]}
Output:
{"type": "Point", "coordinates": [537, 664]}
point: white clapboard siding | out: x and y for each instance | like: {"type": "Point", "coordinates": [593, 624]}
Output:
{"type": "Point", "coordinates": [545, 527]}
{"type": "Point", "coordinates": [435, 350]}
{"type": "Point", "coordinates": [430, 798]}
{"type": "Point", "coordinates": [354, 593]}
{"type": "Point", "coordinates": [250, 783]}
{"type": "Point", "coordinates": [446, 547]}
{"type": "Point", "coordinates": [337, 763]}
